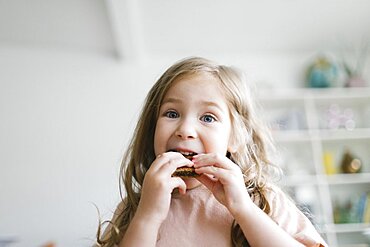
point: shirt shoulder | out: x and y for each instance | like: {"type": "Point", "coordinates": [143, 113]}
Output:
{"type": "Point", "coordinates": [289, 217]}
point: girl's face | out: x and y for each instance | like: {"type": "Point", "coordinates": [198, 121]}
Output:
{"type": "Point", "coordinates": [193, 117]}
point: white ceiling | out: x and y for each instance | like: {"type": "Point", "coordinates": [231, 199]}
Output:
{"type": "Point", "coordinates": [142, 28]}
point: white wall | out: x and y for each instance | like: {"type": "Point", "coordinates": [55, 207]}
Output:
{"type": "Point", "coordinates": [65, 121]}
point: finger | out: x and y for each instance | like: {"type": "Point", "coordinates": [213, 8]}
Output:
{"type": "Point", "coordinates": [207, 159]}
{"type": "Point", "coordinates": [159, 161]}
{"type": "Point", "coordinates": [220, 174]}
{"type": "Point", "coordinates": [207, 180]}
{"type": "Point", "coordinates": [210, 170]}
{"type": "Point", "coordinates": [213, 159]}
{"type": "Point", "coordinates": [173, 164]}
{"type": "Point", "coordinates": [176, 182]}
{"type": "Point", "coordinates": [169, 158]}
{"type": "Point", "coordinates": [178, 155]}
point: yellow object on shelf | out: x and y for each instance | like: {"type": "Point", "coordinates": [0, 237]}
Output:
{"type": "Point", "coordinates": [329, 163]}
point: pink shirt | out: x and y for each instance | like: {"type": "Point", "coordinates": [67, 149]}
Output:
{"type": "Point", "coordinates": [198, 219]}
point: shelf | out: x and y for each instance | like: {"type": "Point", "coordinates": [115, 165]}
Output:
{"type": "Point", "coordinates": [347, 228]}
{"type": "Point", "coordinates": [338, 179]}
{"type": "Point", "coordinates": [301, 121]}
{"type": "Point", "coordinates": [321, 134]}
{"type": "Point", "coordinates": [314, 93]}
{"type": "Point", "coordinates": [335, 179]}
{"type": "Point", "coordinates": [354, 245]}
{"type": "Point", "coordinates": [300, 180]}
{"type": "Point", "coordinates": [342, 134]}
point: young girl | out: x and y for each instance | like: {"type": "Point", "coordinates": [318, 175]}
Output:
{"type": "Point", "coordinates": [202, 109]}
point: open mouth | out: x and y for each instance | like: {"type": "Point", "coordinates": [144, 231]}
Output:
{"type": "Point", "coordinates": [188, 155]}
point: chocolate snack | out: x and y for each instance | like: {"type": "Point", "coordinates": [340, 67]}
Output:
{"type": "Point", "coordinates": [184, 171]}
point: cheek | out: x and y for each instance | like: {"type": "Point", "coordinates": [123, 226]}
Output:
{"type": "Point", "coordinates": [160, 138]}
{"type": "Point", "coordinates": [218, 142]}
{"type": "Point", "coordinates": [228, 139]}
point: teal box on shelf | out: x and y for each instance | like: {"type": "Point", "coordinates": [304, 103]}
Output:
{"type": "Point", "coordinates": [322, 73]}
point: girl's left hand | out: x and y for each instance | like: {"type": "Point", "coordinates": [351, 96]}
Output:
{"type": "Point", "coordinates": [223, 178]}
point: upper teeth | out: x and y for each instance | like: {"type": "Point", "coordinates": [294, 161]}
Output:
{"type": "Point", "coordinates": [187, 153]}
{"type": "Point", "coordinates": [184, 152]}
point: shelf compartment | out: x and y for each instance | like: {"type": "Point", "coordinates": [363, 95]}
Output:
{"type": "Point", "coordinates": [305, 195]}
{"type": "Point", "coordinates": [288, 115]}
{"type": "Point", "coordinates": [359, 148]}
{"type": "Point", "coordinates": [296, 158]}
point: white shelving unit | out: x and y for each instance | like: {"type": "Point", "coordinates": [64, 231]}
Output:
{"type": "Point", "coordinates": [305, 131]}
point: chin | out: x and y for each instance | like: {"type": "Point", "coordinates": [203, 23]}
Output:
{"type": "Point", "coordinates": [191, 183]}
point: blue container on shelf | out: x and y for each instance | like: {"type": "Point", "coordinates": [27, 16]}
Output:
{"type": "Point", "coordinates": [322, 73]}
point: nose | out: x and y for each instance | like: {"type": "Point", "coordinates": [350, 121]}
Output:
{"type": "Point", "coordinates": [186, 130]}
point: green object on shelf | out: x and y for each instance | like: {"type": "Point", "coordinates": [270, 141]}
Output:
{"type": "Point", "coordinates": [348, 213]}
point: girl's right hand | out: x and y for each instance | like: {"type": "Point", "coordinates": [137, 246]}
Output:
{"type": "Point", "coordinates": [158, 185]}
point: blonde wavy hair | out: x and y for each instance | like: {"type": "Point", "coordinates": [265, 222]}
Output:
{"type": "Point", "coordinates": [250, 134]}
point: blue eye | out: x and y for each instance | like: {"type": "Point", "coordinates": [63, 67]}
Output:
{"type": "Point", "coordinates": [171, 114]}
{"type": "Point", "coordinates": [208, 118]}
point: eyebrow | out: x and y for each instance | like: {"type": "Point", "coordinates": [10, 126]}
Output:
{"type": "Point", "coordinates": [171, 100]}
{"type": "Point", "coordinates": [206, 103]}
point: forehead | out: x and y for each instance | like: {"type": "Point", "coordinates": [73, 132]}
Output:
{"type": "Point", "coordinates": [202, 83]}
